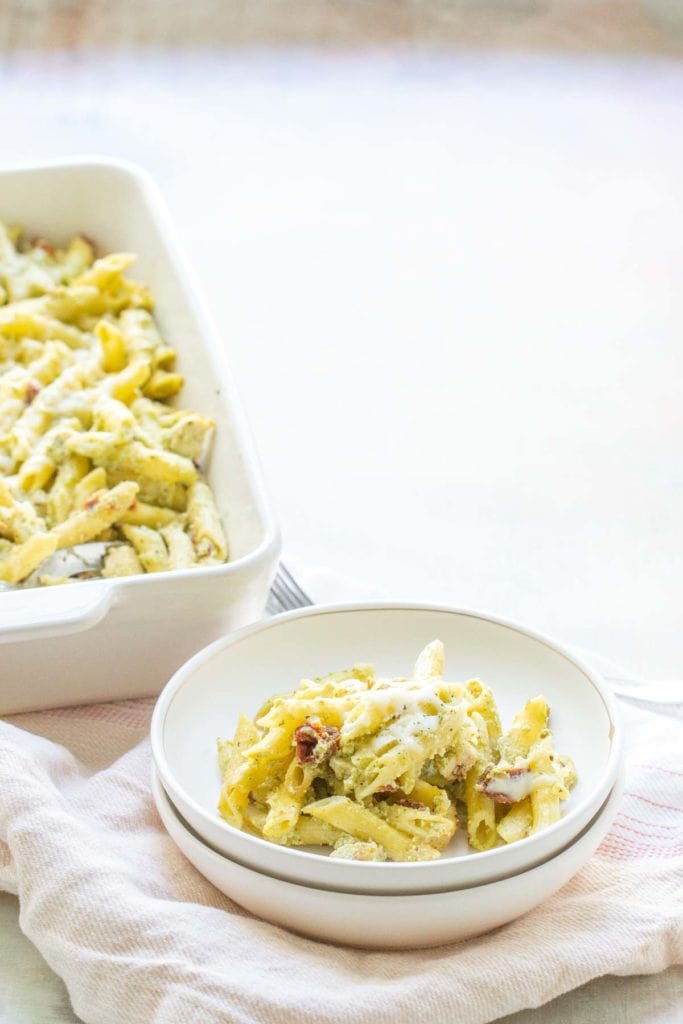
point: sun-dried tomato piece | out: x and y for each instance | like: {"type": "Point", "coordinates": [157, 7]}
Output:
{"type": "Point", "coordinates": [315, 742]}
{"type": "Point", "coordinates": [414, 804]}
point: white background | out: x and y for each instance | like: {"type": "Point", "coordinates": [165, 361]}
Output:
{"type": "Point", "coordinates": [451, 294]}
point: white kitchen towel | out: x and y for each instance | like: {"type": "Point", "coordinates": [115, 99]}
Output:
{"type": "Point", "coordinates": [139, 936]}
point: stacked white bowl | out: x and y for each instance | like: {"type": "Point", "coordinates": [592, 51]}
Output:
{"type": "Point", "coordinates": [382, 905]}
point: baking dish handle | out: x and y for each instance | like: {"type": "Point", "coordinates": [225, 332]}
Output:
{"type": "Point", "coordinates": [56, 611]}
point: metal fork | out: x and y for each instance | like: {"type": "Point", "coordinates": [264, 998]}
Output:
{"type": "Point", "coordinates": [285, 593]}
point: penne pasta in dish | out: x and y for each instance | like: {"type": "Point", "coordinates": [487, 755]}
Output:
{"type": "Point", "coordinates": [388, 769]}
{"type": "Point", "coordinates": [90, 448]}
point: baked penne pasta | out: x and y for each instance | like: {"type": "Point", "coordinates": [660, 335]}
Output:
{"type": "Point", "coordinates": [86, 379]}
{"type": "Point", "coordinates": [381, 766]}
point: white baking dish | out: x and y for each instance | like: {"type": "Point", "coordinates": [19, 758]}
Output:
{"type": "Point", "coordinates": [110, 639]}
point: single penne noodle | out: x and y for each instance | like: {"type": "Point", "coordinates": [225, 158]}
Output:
{"type": "Point", "coordinates": [232, 752]}
{"type": "Point", "coordinates": [140, 333]}
{"type": "Point", "coordinates": [149, 546]}
{"type": "Point", "coordinates": [282, 815]}
{"type": "Point", "coordinates": [545, 795]}
{"type": "Point", "coordinates": [286, 800]}
{"type": "Point", "coordinates": [26, 433]}
{"type": "Point", "coordinates": [517, 822]}
{"type": "Point", "coordinates": [484, 703]}
{"type": "Point", "coordinates": [359, 822]}
{"type": "Point", "coordinates": [95, 480]}
{"type": "Point", "coordinates": [156, 517]}
{"type": "Point", "coordinates": [153, 492]}
{"type": "Point", "coordinates": [105, 272]}
{"type": "Point", "coordinates": [527, 727]}
{"type": "Point", "coordinates": [430, 662]}
{"type": "Point", "coordinates": [17, 323]}
{"type": "Point", "coordinates": [273, 744]}
{"type": "Point", "coordinates": [126, 385]}
{"type": "Point", "coordinates": [435, 798]}
{"type": "Point", "coordinates": [181, 554]}
{"type": "Point", "coordinates": [20, 561]}
{"type": "Point", "coordinates": [74, 301]}
{"type": "Point", "coordinates": [481, 812]}
{"type": "Point", "coordinates": [204, 525]}
{"type": "Point", "coordinates": [310, 832]}
{"type": "Point", "coordinates": [101, 510]}
{"type": "Point", "coordinates": [545, 806]}
{"type": "Point", "coordinates": [136, 460]}
{"type": "Point", "coordinates": [162, 384]}
{"type": "Point", "coordinates": [237, 787]}
{"type": "Point", "coordinates": [164, 357]}
{"type": "Point", "coordinates": [114, 356]}
{"type": "Point", "coordinates": [37, 471]}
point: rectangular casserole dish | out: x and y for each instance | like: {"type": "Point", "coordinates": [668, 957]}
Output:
{"type": "Point", "coordinates": [110, 639]}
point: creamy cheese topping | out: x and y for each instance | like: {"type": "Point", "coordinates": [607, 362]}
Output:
{"type": "Point", "coordinates": [415, 707]}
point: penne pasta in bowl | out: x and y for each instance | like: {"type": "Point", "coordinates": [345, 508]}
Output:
{"type": "Point", "coordinates": [420, 776]}
{"type": "Point", "coordinates": [379, 769]}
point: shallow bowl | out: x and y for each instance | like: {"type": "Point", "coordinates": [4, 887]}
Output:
{"type": "Point", "coordinates": [385, 921]}
{"type": "Point", "coordinates": [236, 675]}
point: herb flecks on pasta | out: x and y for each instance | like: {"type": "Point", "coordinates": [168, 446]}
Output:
{"type": "Point", "coordinates": [90, 448]}
{"type": "Point", "coordinates": [383, 769]}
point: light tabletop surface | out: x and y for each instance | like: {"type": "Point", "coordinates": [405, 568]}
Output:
{"type": "Point", "coordinates": [450, 289]}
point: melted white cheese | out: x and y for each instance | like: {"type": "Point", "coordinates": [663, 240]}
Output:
{"type": "Point", "coordinates": [413, 706]}
{"type": "Point", "coordinates": [517, 787]}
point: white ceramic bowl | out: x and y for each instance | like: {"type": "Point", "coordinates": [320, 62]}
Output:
{"type": "Point", "coordinates": [387, 922]}
{"type": "Point", "coordinates": [109, 639]}
{"type": "Point", "coordinates": [235, 675]}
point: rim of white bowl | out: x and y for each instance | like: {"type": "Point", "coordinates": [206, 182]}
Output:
{"type": "Point", "coordinates": [184, 674]}
{"type": "Point", "coordinates": [612, 800]}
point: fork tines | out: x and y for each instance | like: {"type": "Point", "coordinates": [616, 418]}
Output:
{"type": "Point", "coordinates": [285, 593]}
